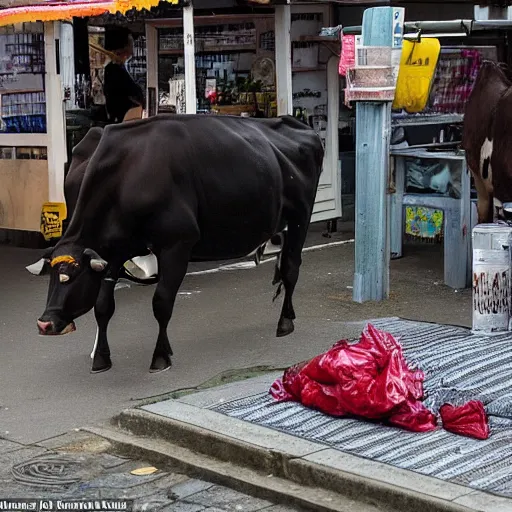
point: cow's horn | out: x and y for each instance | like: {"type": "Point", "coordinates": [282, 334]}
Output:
{"type": "Point", "coordinates": [63, 278]}
{"type": "Point", "coordinates": [97, 262]}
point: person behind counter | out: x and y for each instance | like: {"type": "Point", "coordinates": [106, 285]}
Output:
{"type": "Point", "coordinates": [121, 92]}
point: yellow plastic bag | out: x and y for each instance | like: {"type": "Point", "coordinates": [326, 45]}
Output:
{"type": "Point", "coordinates": [417, 70]}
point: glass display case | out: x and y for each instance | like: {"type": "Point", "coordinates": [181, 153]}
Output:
{"type": "Point", "coordinates": [22, 69]}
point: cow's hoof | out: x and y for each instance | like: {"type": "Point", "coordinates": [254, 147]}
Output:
{"type": "Point", "coordinates": [285, 327]}
{"type": "Point", "coordinates": [160, 364]}
{"type": "Point", "coordinates": [101, 364]}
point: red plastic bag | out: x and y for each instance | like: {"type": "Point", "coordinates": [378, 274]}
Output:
{"type": "Point", "coordinates": [370, 379]}
{"type": "Point", "coordinates": [467, 420]}
{"type": "Point", "coordinates": [413, 416]}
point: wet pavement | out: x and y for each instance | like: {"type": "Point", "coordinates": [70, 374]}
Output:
{"type": "Point", "coordinates": [78, 466]}
{"type": "Point", "coordinates": [223, 321]}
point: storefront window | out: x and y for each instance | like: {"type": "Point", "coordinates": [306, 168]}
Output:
{"type": "Point", "coordinates": [22, 68]}
{"type": "Point", "coordinates": [235, 70]}
{"type": "Point", "coordinates": [137, 65]}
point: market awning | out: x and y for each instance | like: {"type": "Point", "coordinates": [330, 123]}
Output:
{"type": "Point", "coordinates": [60, 10]}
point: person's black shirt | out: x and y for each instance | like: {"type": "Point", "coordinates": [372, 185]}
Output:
{"type": "Point", "coordinates": [121, 92]}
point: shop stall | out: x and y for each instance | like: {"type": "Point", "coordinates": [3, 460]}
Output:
{"type": "Point", "coordinates": [260, 61]}
{"type": "Point", "coordinates": [431, 183]}
{"type": "Point", "coordinates": [39, 89]}
{"type": "Point", "coordinates": [25, 180]}
{"type": "Point", "coordinates": [430, 190]}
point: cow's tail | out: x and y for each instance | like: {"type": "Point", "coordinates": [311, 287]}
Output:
{"type": "Point", "coordinates": [277, 280]}
{"type": "Point", "coordinates": [278, 277]}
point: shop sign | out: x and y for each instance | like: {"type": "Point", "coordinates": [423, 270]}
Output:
{"type": "Point", "coordinates": [52, 217]}
{"type": "Point", "coordinates": [417, 70]}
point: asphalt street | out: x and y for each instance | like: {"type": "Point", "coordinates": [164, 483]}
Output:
{"type": "Point", "coordinates": [222, 321]}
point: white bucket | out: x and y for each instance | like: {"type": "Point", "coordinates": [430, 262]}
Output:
{"type": "Point", "coordinates": [491, 278]}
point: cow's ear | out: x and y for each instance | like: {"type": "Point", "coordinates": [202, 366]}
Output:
{"type": "Point", "coordinates": [40, 268]}
{"type": "Point", "coordinates": [98, 264]}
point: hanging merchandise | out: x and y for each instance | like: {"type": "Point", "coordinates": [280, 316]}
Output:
{"type": "Point", "coordinates": [456, 74]}
{"type": "Point", "coordinates": [348, 53]}
{"type": "Point", "coordinates": [372, 380]}
{"type": "Point", "coordinates": [417, 70]}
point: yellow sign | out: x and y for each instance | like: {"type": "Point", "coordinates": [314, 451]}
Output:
{"type": "Point", "coordinates": [52, 217]}
{"type": "Point", "coordinates": [417, 69]}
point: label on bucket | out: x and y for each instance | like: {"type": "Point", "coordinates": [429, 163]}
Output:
{"type": "Point", "coordinates": [491, 299]}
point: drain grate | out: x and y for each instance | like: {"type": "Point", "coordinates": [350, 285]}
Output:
{"type": "Point", "coordinates": [47, 472]}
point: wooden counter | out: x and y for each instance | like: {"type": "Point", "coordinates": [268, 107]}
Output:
{"type": "Point", "coordinates": [23, 190]}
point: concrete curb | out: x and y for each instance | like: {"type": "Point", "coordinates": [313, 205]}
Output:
{"type": "Point", "coordinates": [245, 480]}
{"type": "Point", "coordinates": [245, 447]}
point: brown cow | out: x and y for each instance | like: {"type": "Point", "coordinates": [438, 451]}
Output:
{"type": "Point", "coordinates": [486, 139]}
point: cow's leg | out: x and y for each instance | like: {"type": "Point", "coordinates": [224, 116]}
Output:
{"type": "Point", "coordinates": [173, 264]}
{"type": "Point", "coordinates": [483, 184]}
{"type": "Point", "coordinates": [288, 271]}
{"type": "Point", "coordinates": [103, 311]}
{"type": "Point", "coordinates": [497, 209]}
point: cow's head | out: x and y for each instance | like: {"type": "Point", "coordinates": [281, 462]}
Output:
{"type": "Point", "coordinates": [74, 285]}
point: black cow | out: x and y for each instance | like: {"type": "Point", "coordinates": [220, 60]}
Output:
{"type": "Point", "coordinates": [191, 188]}
{"type": "Point", "coordinates": [81, 155]}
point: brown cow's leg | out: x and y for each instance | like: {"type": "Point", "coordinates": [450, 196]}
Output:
{"type": "Point", "coordinates": [485, 205]}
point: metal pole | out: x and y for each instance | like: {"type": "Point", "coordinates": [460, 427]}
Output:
{"type": "Point", "coordinates": [373, 129]}
{"type": "Point", "coordinates": [55, 116]}
{"type": "Point", "coordinates": [190, 60]}
{"type": "Point", "coordinates": [152, 70]}
{"type": "Point", "coordinates": [283, 60]}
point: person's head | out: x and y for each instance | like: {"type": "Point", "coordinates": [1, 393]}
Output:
{"type": "Point", "coordinates": [119, 41]}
